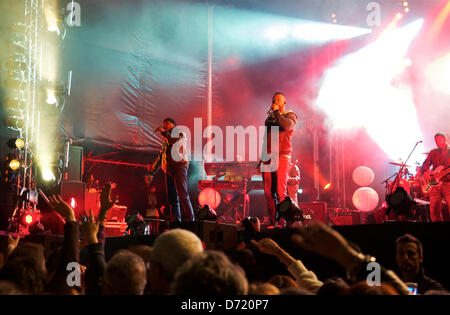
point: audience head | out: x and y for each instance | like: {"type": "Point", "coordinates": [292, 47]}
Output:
{"type": "Point", "coordinates": [333, 286]}
{"type": "Point", "coordinates": [171, 250]}
{"type": "Point", "coordinates": [362, 288]}
{"type": "Point", "coordinates": [210, 273]}
{"type": "Point", "coordinates": [125, 274]}
{"type": "Point", "coordinates": [262, 288]}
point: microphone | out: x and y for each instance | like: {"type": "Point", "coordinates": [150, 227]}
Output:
{"type": "Point", "coordinates": [156, 129]}
{"type": "Point", "coordinates": [419, 141]}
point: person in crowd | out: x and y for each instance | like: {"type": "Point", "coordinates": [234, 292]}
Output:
{"type": "Point", "coordinates": [209, 273]}
{"type": "Point", "coordinates": [171, 250]}
{"type": "Point", "coordinates": [262, 288]}
{"type": "Point", "coordinates": [305, 278]}
{"type": "Point", "coordinates": [327, 242]}
{"type": "Point", "coordinates": [409, 258]}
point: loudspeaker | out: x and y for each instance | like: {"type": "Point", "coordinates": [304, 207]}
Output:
{"type": "Point", "coordinates": [317, 210]}
{"type": "Point", "coordinates": [74, 170]}
{"type": "Point", "coordinates": [73, 192]}
{"type": "Point", "coordinates": [215, 235]}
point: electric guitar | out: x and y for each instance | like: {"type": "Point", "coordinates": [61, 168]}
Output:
{"type": "Point", "coordinates": [434, 180]}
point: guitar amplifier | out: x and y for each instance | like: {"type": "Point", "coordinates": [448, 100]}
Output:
{"type": "Point", "coordinates": [315, 210]}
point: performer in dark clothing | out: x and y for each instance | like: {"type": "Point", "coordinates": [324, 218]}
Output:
{"type": "Point", "coordinates": [438, 158]}
{"type": "Point", "coordinates": [275, 176]}
{"type": "Point", "coordinates": [174, 163]}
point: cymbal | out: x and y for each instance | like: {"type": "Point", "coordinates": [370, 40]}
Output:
{"type": "Point", "coordinates": [398, 164]}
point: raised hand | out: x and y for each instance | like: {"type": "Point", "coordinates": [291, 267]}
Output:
{"type": "Point", "coordinates": [12, 244]}
{"type": "Point", "coordinates": [267, 246]}
{"type": "Point", "coordinates": [62, 208]}
{"type": "Point", "coordinates": [105, 201]}
{"type": "Point", "coordinates": [325, 241]}
{"type": "Point", "coordinates": [89, 228]}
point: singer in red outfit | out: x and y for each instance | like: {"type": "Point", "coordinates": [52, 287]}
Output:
{"type": "Point", "coordinates": [275, 180]}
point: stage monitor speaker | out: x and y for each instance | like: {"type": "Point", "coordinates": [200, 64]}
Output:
{"type": "Point", "coordinates": [75, 168]}
{"type": "Point", "coordinates": [215, 235]}
{"type": "Point", "coordinates": [317, 210]}
{"type": "Point", "coordinates": [73, 192]}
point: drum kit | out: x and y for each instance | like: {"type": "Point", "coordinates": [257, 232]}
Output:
{"type": "Point", "coordinates": [403, 178]}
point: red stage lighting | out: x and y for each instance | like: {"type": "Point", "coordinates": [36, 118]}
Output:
{"type": "Point", "coordinates": [28, 219]}
{"type": "Point", "coordinates": [327, 186]}
{"type": "Point", "coordinates": [73, 203]}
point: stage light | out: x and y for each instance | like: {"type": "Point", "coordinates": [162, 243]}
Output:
{"type": "Point", "coordinates": [51, 99]}
{"type": "Point", "coordinates": [289, 211]}
{"type": "Point", "coordinates": [405, 3]}
{"type": "Point", "coordinates": [47, 175]}
{"type": "Point", "coordinates": [206, 213]}
{"type": "Point", "coordinates": [333, 16]}
{"type": "Point", "coordinates": [406, 10]}
{"type": "Point", "coordinates": [73, 203]}
{"type": "Point", "coordinates": [358, 93]}
{"type": "Point", "coordinates": [327, 186]}
{"type": "Point", "coordinates": [399, 15]}
{"type": "Point", "coordinates": [28, 219]}
{"type": "Point", "coordinates": [14, 165]}
{"type": "Point", "coordinates": [20, 143]}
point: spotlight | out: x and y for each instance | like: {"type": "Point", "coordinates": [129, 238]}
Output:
{"type": "Point", "coordinates": [288, 210]}
{"type": "Point", "coordinates": [14, 164]}
{"type": "Point", "coordinates": [28, 219]}
{"type": "Point", "coordinates": [327, 186]}
{"type": "Point", "coordinates": [51, 99]}
{"type": "Point", "coordinates": [399, 15]}
{"type": "Point", "coordinates": [405, 3]}
{"type": "Point", "coordinates": [406, 10]}
{"type": "Point", "coordinates": [73, 202]}
{"type": "Point", "coordinates": [47, 175]}
{"type": "Point", "coordinates": [206, 213]}
{"type": "Point", "coordinates": [20, 143]}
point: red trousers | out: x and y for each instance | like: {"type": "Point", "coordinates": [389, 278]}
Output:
{"type": "Point", "coordinates": [275, 186]}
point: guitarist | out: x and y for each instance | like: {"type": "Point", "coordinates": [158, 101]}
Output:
{"type": "Point", "coordinates": [438, 157]}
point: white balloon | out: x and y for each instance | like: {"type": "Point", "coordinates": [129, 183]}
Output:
{"type": "Point", "coordinates": [363, 176]}
{"type": "Point", "coordinates": [365, 199]}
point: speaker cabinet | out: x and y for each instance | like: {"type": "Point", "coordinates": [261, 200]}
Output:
{"type": "Point", "coordinates": [74, 170]}
{"type": "Point", "coordinates": [316, 210]}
